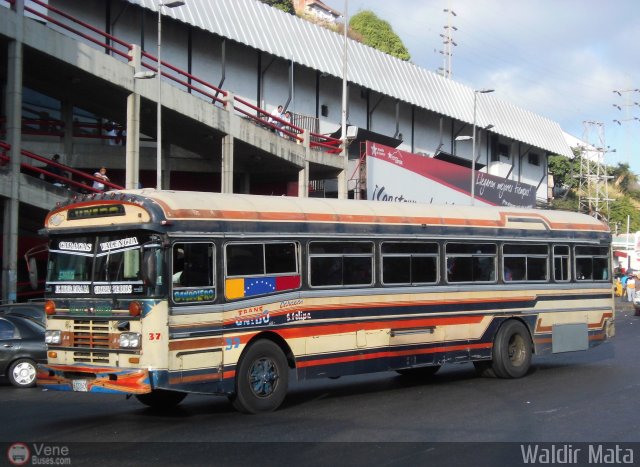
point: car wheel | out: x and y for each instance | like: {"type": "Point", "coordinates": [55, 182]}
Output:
{"type": "Point", "coordinates": [22, 373]}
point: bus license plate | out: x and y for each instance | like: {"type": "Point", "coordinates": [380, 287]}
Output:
{"type": "Point", "coordinates": [80, 385]}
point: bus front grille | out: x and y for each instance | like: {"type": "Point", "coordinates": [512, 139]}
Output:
{"type": "Point", "coordinates": [91, 334]}
{"type": "Point", "coordinates": [91, 357]}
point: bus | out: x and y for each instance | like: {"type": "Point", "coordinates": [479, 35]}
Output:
{"type": "Point", "coordinates": [159, 294]}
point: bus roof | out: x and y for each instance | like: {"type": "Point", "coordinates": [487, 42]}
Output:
{"type": "Point", "coordinates": [176, 207]}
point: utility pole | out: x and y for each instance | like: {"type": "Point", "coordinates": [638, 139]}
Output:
{"type": "Point", "coordinates": [593, 191]}
{"type": "Point", "coordinates": [628, 117]}
{"type": "Point", "coordinates": [448, 43]}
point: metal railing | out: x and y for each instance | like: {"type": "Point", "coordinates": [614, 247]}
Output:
{"type": "Point", "coordinates": [115, 45]}
{"type": "Point", "coordinates": [82, 183]}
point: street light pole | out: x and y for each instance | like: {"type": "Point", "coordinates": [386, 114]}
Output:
{"type": "Point", "coordinates": [173, 4]}
{"type": "Point", "coordinates": [343, 190]}
{"type": "Point", "coordinates": [473, 142]}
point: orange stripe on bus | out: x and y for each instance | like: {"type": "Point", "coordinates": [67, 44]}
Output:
{"type": "Point", "coordinates": [195, 378]}
{"type": "Point", "coordinates": [196, 343]}
{"type": "Point", "coordinates": [369, 219]}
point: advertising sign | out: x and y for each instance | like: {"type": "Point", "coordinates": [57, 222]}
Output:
{"type": "Point", "coordinates": [395, 175]}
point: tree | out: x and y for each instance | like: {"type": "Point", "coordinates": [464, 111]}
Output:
{"type": "Point", "coordinates": [378, 34]}
{"type": "Point", "coordinates": [565, 173]}
{"type": "Point", "coordinates": [284, 5]}
{"type": "Point", "coordinates": [623, 178]}
{"type": "Point", "coordinates": [622, 209]}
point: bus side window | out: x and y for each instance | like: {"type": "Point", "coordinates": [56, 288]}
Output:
{"type": "Point", "coordinates": [467, 262]}
{"type": "Point", "coordinates": [193, 265]}
{"type": "Point", "coordinates": [592, 263]}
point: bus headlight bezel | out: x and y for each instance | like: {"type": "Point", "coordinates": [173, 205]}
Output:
{"type": "Point", "coordinates": [52, 337]}
{"type": "Point", "coordinates": [130, 340]}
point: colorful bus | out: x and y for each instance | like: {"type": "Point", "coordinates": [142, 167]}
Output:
{"type": "Point", "coordinates": [162, 293]}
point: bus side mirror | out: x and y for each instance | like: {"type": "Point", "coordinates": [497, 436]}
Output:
{"type": "Point", "coordinates": [149, 267]}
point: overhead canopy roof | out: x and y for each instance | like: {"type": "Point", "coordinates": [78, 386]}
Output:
{"type": "Point", "coordinates": [260, 26]}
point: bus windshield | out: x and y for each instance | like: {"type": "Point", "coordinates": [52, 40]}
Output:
{"type": "Point", "coordinates": [104, 264]}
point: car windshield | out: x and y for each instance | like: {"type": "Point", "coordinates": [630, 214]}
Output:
{"type": "Point", "coordinates": [103, 264]}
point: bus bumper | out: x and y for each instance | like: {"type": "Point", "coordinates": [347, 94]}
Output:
{"type": "Point", "coordinates": [94, 379]}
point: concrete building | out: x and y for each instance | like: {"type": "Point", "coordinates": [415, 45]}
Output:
{"type": "Point", "coordinates": [69, 68]}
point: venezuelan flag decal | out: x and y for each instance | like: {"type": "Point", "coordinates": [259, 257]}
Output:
{"type": "Point", "coordinates": [250, 286]}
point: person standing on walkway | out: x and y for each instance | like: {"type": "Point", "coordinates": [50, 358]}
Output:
{"type": "Point", "coordinates": [631, 288]}
{"type": "Point", "coordinates": [277, 113]}
{"type": "Point", "coordinates": [102, 175]}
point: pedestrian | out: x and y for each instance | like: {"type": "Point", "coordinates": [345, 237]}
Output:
{"type": "Point", "coordinates": [111, 133]}
{"type": "Point", "coordinates": [102, 175]}
{"type": "Point", "coordinates": [623, 283]}
{"type": "Point", "coordinates": [277, 113]}
{"type": "Point", "coordinates": [55, 170]}
{"type": "Point", "coordinates": [287, 118]}
{"type": "Point", "coordinates": [631, 288]}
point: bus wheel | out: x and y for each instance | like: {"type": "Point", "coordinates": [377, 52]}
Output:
{"type": "Point", "coordinates": [484, 368]}
{"type": "Point", "coordinates": [161, 399]}
{"type": "Point", "coordinates": [261, 379]}
{"type": "Point", "coordinates": [421, 372]}
{"type": "Point", "coordinates": [511, 350]}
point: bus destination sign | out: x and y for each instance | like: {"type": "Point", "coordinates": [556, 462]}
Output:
{"type": "Point", "coordinates": [91, 212]}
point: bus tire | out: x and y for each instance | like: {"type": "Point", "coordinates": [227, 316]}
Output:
{"type": "Point", "coordinates": [261, 379]}
{"type": "Point", "coordinates": [484, 368]}
{"type": "Point", "coordinates": [420, 372]}
{"type": "Point", "coordinates": [511, 350]}
{"type": "Point", "coordinates": [161, 399]}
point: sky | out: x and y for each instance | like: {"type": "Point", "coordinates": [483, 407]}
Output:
{"type": "Point", "coordinates": [561, 59]}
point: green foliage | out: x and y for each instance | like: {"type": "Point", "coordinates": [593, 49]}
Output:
{"type": "Point", "coordinates": [565, 171]}
{"type": "Point", "coordinates": [623, 178]}
{"type": "Point", "coordinates": [284, 5]}
{"type": "Point", "coordinates": [378, 34]}
{"type": "Point", "coordinates": [619, 210]}
{"type": "Point", "coordinates": [566, 203]}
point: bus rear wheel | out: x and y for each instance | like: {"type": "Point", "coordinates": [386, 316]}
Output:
{"type": "Point", "coordinates": [511, 356]}
{"type": "Point", "coordinates": [262, 379]}
{"type": "Point", "coordinates": [161, 399]}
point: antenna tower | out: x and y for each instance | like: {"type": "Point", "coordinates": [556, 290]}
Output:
{"type": "Point", "coordinates": [594, 181]}
{"type": "Point", "coordinates": [448, 43]}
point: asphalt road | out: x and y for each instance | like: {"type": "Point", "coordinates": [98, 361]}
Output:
{"type": "Point", "coordinates": [455, 418]}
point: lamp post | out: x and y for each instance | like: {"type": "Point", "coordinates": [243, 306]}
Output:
{"type": "Point", "coordinates": [344, 189]}
{"type": "Point", "coordinates": [172, 4]}
{"type": "Point", "coordinates": [473, 142]}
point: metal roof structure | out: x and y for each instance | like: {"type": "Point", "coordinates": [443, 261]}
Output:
{"type": "Point", "coordinates": [255, 24]}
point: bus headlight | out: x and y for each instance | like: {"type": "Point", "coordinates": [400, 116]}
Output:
{"type": "Point", "coordinates": [52, 337]}
{"type": "Point", "coordinates": [130, 340]}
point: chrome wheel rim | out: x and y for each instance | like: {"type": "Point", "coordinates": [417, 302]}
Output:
{"type": "Point", "coordinates": [24, 373]}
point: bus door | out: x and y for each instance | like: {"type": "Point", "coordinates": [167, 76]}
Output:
{"type": "Point", "coordinates": [195, 322]}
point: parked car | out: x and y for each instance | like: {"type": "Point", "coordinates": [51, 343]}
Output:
{"type": "Point", "coordinates": [21, 348]}
{"type": "Point", "coordinates": [33, 310]}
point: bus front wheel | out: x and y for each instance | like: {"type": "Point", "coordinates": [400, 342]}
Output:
{"type": "Point", "coordinates": [262, 378]}
{"type": "Point", "coordinates": [161, 399]}
{"type": "Point", "coordinates": [511, 356]}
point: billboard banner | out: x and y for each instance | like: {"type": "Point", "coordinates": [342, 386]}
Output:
{"type": "Point", "coordinates": [396, 175]}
